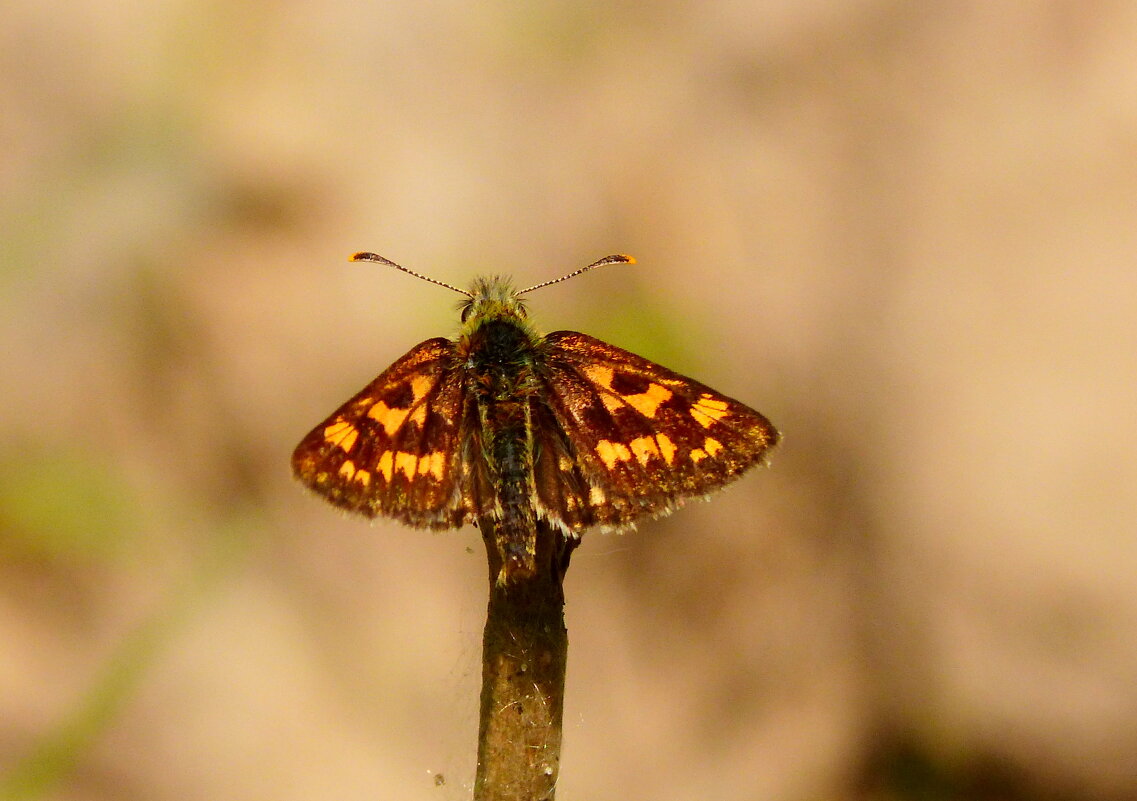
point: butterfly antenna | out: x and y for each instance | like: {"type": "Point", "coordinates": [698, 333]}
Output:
{"type": "Point", "coordinates": [619, 258]}
{"type": "Point", "coordinates": [377, 258]}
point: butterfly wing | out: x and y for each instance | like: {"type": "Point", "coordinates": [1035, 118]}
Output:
{"type": "Point", "coordinates": [395, 448]}
{"type": "Point", "coordinates": [633, 439]}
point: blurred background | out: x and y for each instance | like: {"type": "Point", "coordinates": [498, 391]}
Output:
{"type": "Point", "coordinates": [905, 232]}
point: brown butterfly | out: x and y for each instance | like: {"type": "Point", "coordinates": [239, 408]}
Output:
{"type": "Point", "coordinates": [507, 428]}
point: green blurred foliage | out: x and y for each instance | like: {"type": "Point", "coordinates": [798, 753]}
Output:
{"type": "Point", "coordinates": [59, 504]}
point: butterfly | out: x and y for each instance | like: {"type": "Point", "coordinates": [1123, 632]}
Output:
{"type": "Point", "coordinates": [515, 431]}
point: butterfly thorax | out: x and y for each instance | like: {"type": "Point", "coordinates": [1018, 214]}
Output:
{"type": "Point", "coordinates": [498, 351]}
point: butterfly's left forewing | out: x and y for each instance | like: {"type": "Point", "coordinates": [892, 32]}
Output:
{"type": "Point", "coordinates": [637, 438]}
{"type": "Point", "coordinates": [394, 449]}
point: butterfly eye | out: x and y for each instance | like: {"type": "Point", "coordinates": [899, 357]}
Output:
{"type": "Point", "coordinates": [466, 307]}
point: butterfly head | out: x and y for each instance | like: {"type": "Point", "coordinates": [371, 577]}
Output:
{"type": "Point", "coordinates": [494, 312]}
{"type": "Point", "coordinates": [493, 298]}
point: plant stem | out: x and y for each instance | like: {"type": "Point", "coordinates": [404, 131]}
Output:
{"type": "Point", "coordinates": [524, 654]}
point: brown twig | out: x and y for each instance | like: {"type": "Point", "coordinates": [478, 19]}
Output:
{"type": "Point", "coordinates": [524, 653]}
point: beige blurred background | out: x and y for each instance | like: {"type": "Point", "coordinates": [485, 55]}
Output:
{"type": "Point", "coordinates": [906, 232]}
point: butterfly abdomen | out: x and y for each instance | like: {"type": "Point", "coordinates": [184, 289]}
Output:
{"type": "Point", "coordinates": [499, 361]}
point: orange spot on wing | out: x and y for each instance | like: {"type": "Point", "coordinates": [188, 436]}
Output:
{"type": "Point", "coordinates": [385, 465]}
{"type": "Point", "coordinates": [343, 434]}
{"type": "Point", "coordinates": [611, 402]}
{"type": "Point", "coordinates": [612, 452]}
{"type": "Point", "coordinates": [648, 401]}
{"type": "Point", "coordinates": [599, 373]}
{"type": "Point", "coordinates": [708, 410]}
{"type": "Point", "coordinates": [643, 448]}
{"type": "Point", "coordinates": [407, 462]}
{"type": "Point", "coordinates": [390, 419]}
{"type": "Point", "coordinates": [433, 464]}
{"type": "Point", "coordinates": [420, 385]}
